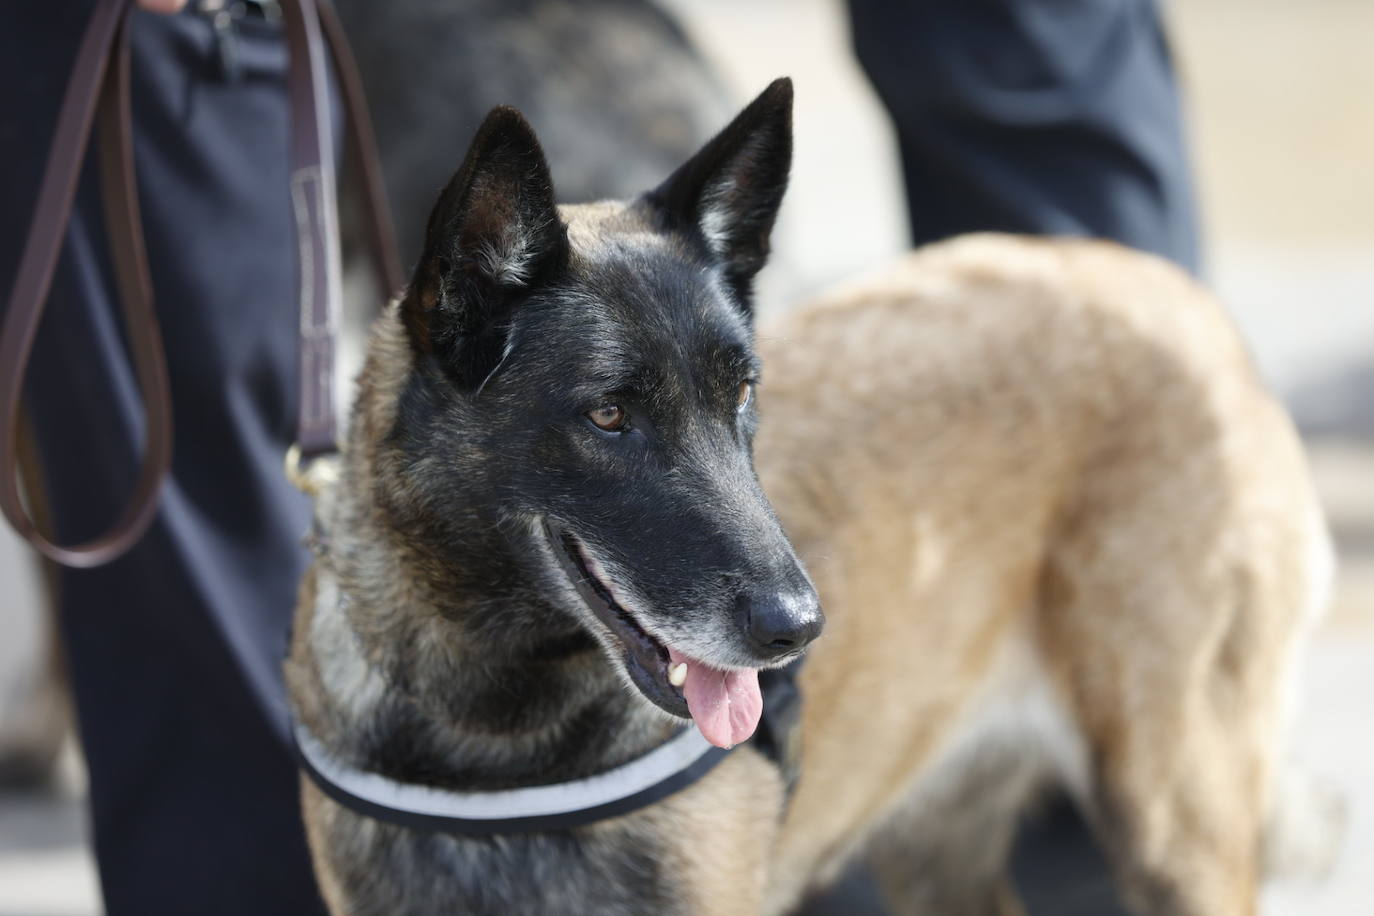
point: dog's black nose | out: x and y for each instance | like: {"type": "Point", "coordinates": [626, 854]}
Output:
{"type": "Point", "coordinates": [777, 623]}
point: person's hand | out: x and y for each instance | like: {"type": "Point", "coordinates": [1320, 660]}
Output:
{"type": "Point", "coordinates": [162, 6]}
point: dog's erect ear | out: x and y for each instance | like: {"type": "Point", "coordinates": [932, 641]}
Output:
{"type": "Point", "coordinates": [728, 193]}
{"type": "Point", "coordinates": [494, 233]}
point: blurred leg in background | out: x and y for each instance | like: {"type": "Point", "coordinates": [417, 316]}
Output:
{"type": "Point", "coordinates": [1039, 116]}
{"type": "Point", "coordinates": [174, 650]}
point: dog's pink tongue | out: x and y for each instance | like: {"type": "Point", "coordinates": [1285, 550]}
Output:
{"type": "Point", "coordinates": [726, 705]}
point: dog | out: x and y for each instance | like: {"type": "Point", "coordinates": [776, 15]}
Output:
{"type": "Point", "coordinates": [1061, 534]}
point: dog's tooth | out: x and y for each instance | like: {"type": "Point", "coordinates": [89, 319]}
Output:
{"type": "Point", "coordinates": [677, 674]}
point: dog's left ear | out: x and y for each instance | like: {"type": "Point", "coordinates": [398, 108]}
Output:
{"type": "Point", "coordinates": [494, 233]}
{"type": "Point", "coordinates": [728, 194]}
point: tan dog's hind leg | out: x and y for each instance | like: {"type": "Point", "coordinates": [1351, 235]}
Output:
{"type": "Point", "coordinates": [1171, 632]}
{"type": "Point", "coordinates": [1176, 787]}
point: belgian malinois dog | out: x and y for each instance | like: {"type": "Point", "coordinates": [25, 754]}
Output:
{"type": "Point", "coordinates": [1061, 533]}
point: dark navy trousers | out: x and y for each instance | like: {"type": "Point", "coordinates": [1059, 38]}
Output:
{"type": "Point", "coordinates": [1057, 117]}
{"type": "Point", "coordinates": [1024, 115]}
{"type": "Point", "coordinates": [175, 649]}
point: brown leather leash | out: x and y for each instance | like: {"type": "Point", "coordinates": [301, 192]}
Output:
{"type": "Point", "coordinates": [99, 85]}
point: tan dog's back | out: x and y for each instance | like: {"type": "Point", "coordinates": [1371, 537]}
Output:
{"type": "Point", "coordinates": [1061, 533]}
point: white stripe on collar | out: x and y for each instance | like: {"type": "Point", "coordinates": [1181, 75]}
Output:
{"type": "Point", "coordinates": [538, 805]}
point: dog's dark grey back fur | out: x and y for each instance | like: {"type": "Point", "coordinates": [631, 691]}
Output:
{"type": "Point", "coordinates": [441, 643]}
{"type": "Point", "coordinates": [614, 87]}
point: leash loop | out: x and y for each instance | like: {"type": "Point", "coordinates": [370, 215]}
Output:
{"type": "Point", "coordinates": [99, 86]}
{"type": "Point", "coordinates": [100, 81]}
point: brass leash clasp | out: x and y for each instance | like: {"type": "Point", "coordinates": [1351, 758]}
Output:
{"type": "Point", "coordinates": [312, 476]}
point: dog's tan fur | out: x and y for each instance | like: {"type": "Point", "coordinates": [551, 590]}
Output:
{"type": "Point", "coordinates": [1049, 507]}
{"type": "Point", "coordinates": [1062, 534]}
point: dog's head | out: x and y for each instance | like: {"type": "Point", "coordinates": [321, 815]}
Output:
{"type": "Point", "coordinates": [586, 379]}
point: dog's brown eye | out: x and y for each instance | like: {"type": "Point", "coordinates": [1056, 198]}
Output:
{"type": "Point", "coordinates": [608, 417]}
{"type": "Point", "coordinates": [743, 395]}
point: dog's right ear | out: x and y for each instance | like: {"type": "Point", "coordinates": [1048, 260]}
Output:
{"type": "Point", "coordinates": [493, 234]}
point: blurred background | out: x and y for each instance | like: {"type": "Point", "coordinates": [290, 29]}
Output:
{"type": "Point", "coordinates": [1280, 99]}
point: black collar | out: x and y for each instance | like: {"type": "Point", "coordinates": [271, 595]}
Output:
{"type": "Point", "coordinates": [668, 768]}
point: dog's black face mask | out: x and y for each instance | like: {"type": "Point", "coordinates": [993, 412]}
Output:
{"type": "Point", "coordinates": [585, 394]}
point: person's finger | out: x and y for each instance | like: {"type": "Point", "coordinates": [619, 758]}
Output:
{"type": "Point", "coordinates": [162, 6]}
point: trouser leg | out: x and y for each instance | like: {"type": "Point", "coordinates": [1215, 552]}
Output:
{"type": "Point", "coordinates": [175, 648]}
{"type": "Point", "coordinates": [1040, 116]}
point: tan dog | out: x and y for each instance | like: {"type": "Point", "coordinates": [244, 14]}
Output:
{"type": "Point", "coordinates": [1061, 533]}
